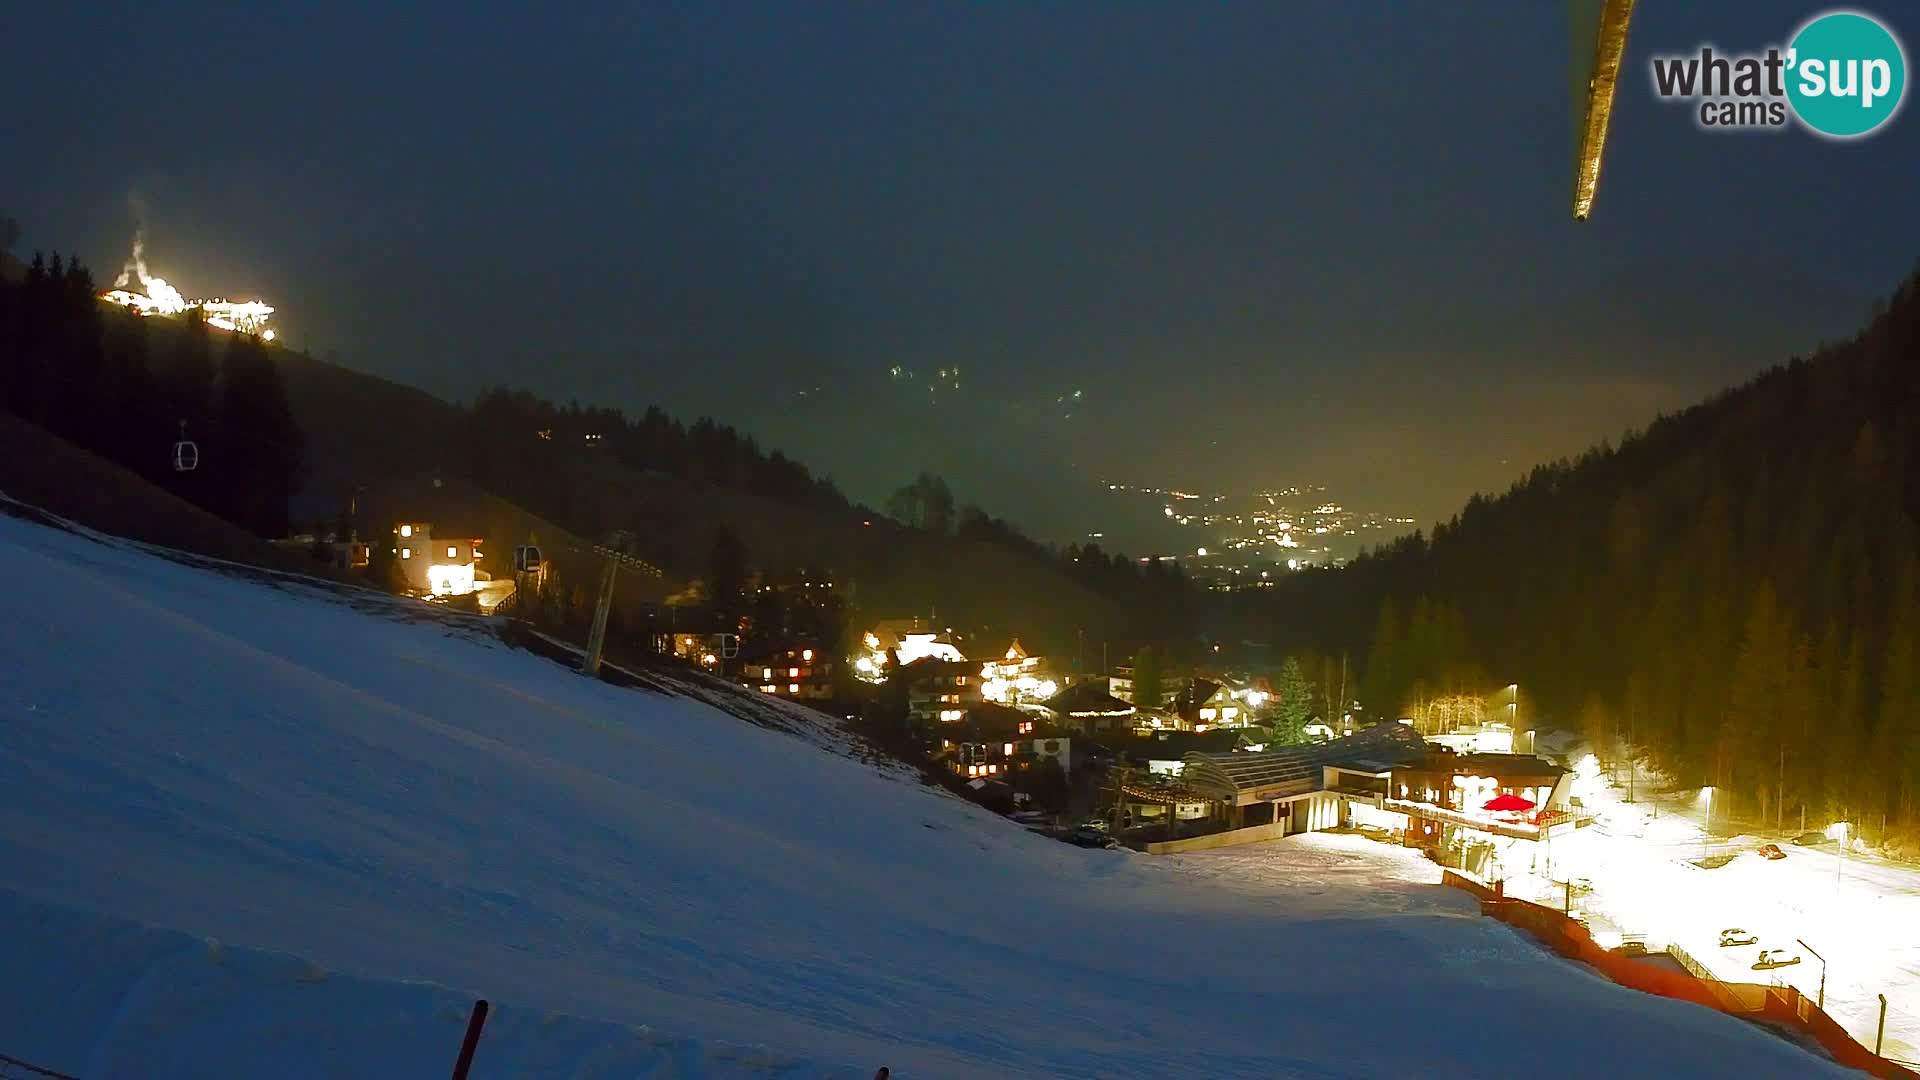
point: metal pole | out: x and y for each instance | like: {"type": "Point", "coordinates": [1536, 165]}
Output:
{"type": "Point", "coordinates": [1823, 971]}
{"type": "Point", "coordinates": [1880, 1033]}
{"type": "Point", "coordinates": [475, 1022]}
{"type": "Point", "coordinates": [597, 637]}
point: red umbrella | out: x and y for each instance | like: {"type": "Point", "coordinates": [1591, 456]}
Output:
{"type": "Point", "coordinates": [1509, 802]}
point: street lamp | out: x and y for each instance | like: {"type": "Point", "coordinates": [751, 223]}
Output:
{"type": "Point", "coordinates": [1706, 833]}
{"type": "Point", "coordinates": [1823, 972]}
{"type": "Point", "coordinates": [1838, 830]}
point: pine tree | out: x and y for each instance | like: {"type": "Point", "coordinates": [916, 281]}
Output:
{"type": "Point", "coordinates": [1293, 704]}
{"type": "Point", "coordinates": [1386, 676]}
{"type": "Point", "coordinates": [189, 375]}
{"type": "Point", "coordinates": [1753, 722]}
{"type": "Point", "coordinates": [257, 458]}
{"type": "Point", "coordinates": [1148, 689]}
{"type": "Point", "coordinates": [135, 434]}
{"type": "Point", "coordinates": [1891, 766]}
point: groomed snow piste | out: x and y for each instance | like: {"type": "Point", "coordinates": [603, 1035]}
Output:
{"type": "Point", "coordinates": [254, 830]}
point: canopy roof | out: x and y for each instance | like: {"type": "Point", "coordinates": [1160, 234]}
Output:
{"type": "Point", "coordinates": [1294, 770]}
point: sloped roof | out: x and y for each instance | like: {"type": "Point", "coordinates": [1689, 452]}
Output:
{"type": "Point", "coordinates": [1195, 694]}
{"type": "Point", "coordinates": [1087, 697]}
{"type": "Point", "coordinates": [1175, 745]}
{"type": "Point", "coordinates": [1292, 770]}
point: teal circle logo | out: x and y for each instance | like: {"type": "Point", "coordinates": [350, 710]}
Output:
{"type": "Point", "coordinates": [1846, 74]}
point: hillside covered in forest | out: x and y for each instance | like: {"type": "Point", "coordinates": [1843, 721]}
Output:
{"type": "Point", "coordinates": [283, 442]}
{"type": "Point", "coordinates": [1734, 592]}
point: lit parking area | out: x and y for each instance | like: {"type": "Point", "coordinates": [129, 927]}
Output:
{"type": "Point", "coordinates": [1813, 909]}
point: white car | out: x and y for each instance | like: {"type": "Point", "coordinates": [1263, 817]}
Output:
{"type": "Point", "coordinates": [1776, 958]}
{"type": "Point", "coordinates": [1735, 936]}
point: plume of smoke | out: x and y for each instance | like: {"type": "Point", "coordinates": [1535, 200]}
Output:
{"type": "Point", "coordinates": [136, 263]}
{"type": "Point", "coordinates": [167, 297]}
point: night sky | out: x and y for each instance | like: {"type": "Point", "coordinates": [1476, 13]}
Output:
{"type": "Point", "coordinates": [1268, 243]}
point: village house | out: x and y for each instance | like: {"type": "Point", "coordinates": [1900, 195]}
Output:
{"type": "Point", "coordinates": [793, 669]}
{"type": "Point", "coordinates": [1204, 704]}
{"type": "Point", "coordinates": [940, 691]}
{"type": "Point", "coordinates": [446, 565]}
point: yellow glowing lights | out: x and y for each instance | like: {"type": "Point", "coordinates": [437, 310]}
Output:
{"type": "Point", "coordinates": [156, 297]}
{"type": "Point", "coordinates": [450, 580]}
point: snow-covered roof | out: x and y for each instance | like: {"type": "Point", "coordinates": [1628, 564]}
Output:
{"type": "Point", "coordinates": [1294, 770]}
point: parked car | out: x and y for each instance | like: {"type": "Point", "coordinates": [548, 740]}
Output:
{"type": "Point", "coordinates": [1096, 824]}
{"type": "Point", "coordinates": [1775, 958]}
{"type": "Point", "coordinates": [1809, 839]}
{"type": "Point", "coordinates": [1735, 936]}
{"type": "Point", "coordinates": [1028, 817]}
{"type": "Point", "coordinates": [1090, 838]}
{"type": "Point", "coordinates": [1632, 946]}
{"type": "Point", "coordinates": [1771, 852]}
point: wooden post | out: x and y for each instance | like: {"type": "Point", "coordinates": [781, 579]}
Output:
{"type": "Point", "coordinates": [475, 1022]}
{"type": "Point", "coordinates": [597, 637]}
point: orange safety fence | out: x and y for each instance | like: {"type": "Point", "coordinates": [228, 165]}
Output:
{"type": "Point", "coordinates": [1777, 1004]}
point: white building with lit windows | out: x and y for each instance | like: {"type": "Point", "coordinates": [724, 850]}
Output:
{"type": "Point", "coordinates": [435, 566]}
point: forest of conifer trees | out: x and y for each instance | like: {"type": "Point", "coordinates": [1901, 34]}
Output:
{"type": "Point", "coordinates": [94, 376]}
{"type": "Point", "coordinates": [1734, 593]}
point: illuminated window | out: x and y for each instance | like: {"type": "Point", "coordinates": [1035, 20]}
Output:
{"type": "Point", "coordinates": [766, 673]}
{"type": "Point", "coordinates": [793, 673]}
{"type": "Point", "coordinates": [1007, 750]}
{"type": "Point", "coordinates": [1208, 714]}
{"type": "Point", "coordinates": [806, 654]}
{"type": "Point", "coordinates": [406, 553]}
{"type": "Point", "coordinates": [452, 552]}
{"type": "Point", "coordinates": [961, 681]}
{"type": "Point", "coordinates": [406, 530]}
{"type": "Point", "coordinates": [793, 688]}
{"type": "Point", "coordinates": [1229, 713]}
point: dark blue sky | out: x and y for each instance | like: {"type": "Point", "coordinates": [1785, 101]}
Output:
{"type": "Point", "coordinates": [1267, 242]}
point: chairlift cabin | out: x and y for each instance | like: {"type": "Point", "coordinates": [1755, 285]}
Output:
{"type": "Point", "coordinates": [526, 559]}
{"type": "Point", "coordinates": [186, 455]}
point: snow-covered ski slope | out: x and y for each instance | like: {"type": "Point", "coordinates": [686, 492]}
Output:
{"type": "Point", "coordinates": [376, 819]}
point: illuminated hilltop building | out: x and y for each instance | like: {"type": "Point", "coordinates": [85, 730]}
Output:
{"type": "Point", "coordinates": [246, 317]}
{"type": "Point", "coordinates": [156, 297]}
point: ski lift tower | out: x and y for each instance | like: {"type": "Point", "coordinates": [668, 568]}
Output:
{"type": "Point", "coordinates": [616, 552]}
